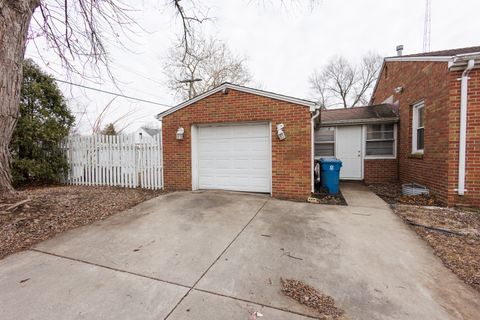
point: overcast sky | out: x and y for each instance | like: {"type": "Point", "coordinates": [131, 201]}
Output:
{"type": "Point", "coordinates": [283, 45]}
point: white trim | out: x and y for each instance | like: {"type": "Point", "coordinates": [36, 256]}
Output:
{"type": "Point", "coordinates": [312, 150]}
{"type": "Point", "coordinates": [163, 161]}
{"type": "Point", "coordinates": [415, 107]}
{"type": "Point", "coordinates": [463, 127]}
{"type": "Point", "coordinates": [362, 156]}
{"type": "Point", "coordinates": [195, 151]}
{"type": "Point", "coordinates": [310, 104]}
{"type": "Point", "coordinates": [362, 146]}
{"type": "Point", "coordinates": [325, 142]}
{"type": "Point", "coordinates": [271, 160]}
{"type": "Point", "coordinates": [460, 62]}
{"type": "Point", "coordinates": [194, 155]}
{"type": "Point", "coordinates": [421, 58]}
{"type": "Point", "coordinates": [355, 122]}
{"type": "Point", "coordinates": [395, 142]}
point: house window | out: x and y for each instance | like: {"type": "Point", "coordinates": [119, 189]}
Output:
{"type": "Point", "coordinates": [380, 140]}
{"type": "Point", "coordinates": [418, 130]}
{"type": "Point", "coordinates": [325, 142]}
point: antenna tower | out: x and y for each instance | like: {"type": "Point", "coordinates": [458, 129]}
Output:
{"type": "Point", "coordinates": [427, 26]}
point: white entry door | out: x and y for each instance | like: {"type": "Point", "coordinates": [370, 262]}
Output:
{"type": "Point", "coordinates": [234, 157]}
{"type": "Point", "coordinates": [349, 150]}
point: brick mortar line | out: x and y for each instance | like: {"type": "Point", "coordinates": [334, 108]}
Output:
{"type": "Point", "coordinates": [110, 268]}
{"type": "Point", "coordinates": [257, 303]}
{"type": "Point", "coordinates": [216, 260]}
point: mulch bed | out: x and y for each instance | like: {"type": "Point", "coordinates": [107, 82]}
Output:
{"type": "Point", "coordinates": [392, 193]}
{"type": "Point", "coordinates": [37, 214]}
{"type": "Point", "coordinates": [322, 196]}
{"type": "Point", "coordinates": [310, 297]}
{"type": "Point", "coordinates": [453, 234]}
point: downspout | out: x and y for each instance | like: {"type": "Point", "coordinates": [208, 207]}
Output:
{"type": "Point", "coordinates": [312, 160]}
{"type": "Point", "coordinates": [463, 127]}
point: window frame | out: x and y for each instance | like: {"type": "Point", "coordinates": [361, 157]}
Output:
{"type": "Point", "coordinates": [415, 126]}
{"type": "Point", "coordinates": [395, 142]}
{"type": "Point", "coordinates": [334, 142]}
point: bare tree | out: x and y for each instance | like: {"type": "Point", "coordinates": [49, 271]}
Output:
{"type": "Point", "coordinates": [206, 64]}
{"type": "Point", "coordinates": [342, 83]}
{"type": "Point", "coordinates": [77, 31]}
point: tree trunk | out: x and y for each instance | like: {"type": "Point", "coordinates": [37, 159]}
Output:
{"type": "Point", "coordinates": [15, 18]}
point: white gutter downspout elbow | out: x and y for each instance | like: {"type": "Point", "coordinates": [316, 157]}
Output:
{"type": "Point", "coordinates": [312, 160]}
{"type": "Point", "coordinates": [463, 127]}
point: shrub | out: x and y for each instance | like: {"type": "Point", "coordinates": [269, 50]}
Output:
{"type": "Point", "coordinates": [44, 121]}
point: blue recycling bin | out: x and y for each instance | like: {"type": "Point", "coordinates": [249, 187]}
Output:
{"type": "Point", "coordinates": [330, 174]}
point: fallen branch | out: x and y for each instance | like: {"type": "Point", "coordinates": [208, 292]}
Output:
{"type": "Point", "coordinates": [13, 206]}
{"type": "Point", "coordinates": [448, 231]}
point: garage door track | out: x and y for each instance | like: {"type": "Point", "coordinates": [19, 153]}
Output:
{"type": "Point", "coordinates": [220, 255]}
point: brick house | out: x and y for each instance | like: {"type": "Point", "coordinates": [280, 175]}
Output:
{"type": "Point", "coordinates": [242, 139]}
{"type": "Point", "coordinates": [439, 122]}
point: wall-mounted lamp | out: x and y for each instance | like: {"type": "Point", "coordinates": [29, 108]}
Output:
{"type": "Point", "coordinates": [398, 90]}
{"type": "Point", "coordinates": [180, 133]}
{"type": "Point", "coordinates": [280, 133]}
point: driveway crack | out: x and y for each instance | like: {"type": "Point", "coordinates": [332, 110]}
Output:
{"type": "Point", "coordinates": [218, 258]}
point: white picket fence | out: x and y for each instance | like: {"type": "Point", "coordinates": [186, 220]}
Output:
{"type": "Point", "coordinates": [100, 160]}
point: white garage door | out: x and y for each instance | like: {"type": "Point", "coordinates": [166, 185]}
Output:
{"type": "Point", "coordinates": [234, 157]}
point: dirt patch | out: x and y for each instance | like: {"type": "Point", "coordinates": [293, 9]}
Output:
{"type": "Point", "coordinates": [392, 194]}
{"type": "Point", "coordinates": [310, 297]}
{"type": "Point", "coordinates": [453, 234]}
{"type": "Point", "coordinates": [37, 214]}
{"type": "Point", "coordinates": [322, 196]}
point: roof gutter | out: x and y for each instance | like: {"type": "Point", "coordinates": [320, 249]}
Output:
{"type": "Point", "coordinates": [348, 122]}
{"type": "Point", "coordinates": [463, 127]}
{"type": "Point", "coordinates": [312, 160]}
{"type": "Point", "coordinates": [420, 58]}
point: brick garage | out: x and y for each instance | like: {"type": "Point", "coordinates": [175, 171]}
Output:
{"type": "Point", "coordinates": [290, 158]}
{"type": "Point", "coordinates": [430, 78]}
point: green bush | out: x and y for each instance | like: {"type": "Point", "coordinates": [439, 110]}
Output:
{"type": "Point", "coordinates": [44, 121]}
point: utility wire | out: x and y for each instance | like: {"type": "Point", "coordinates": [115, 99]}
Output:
{"type": "Point", "coordinates": [112, 93]}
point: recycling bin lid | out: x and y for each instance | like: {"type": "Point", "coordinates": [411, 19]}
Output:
{"type": "Point", "coordinates": [330, 160]}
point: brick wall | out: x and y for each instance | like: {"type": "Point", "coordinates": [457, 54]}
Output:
{"type": "Point", "coordinates": [428, 81]}
{"type": "Point", "coordinates": [472, 178]}
{"type": "Point", "coordinates": [290, 158]}
{"type": "Point", "coordinates": [380, 170]}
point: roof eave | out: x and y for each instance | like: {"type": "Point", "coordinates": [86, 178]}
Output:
{"type": "Point", "coordinates": [459, 62]}
{"type": "Point", "coordinates": [357, 121]}
{"type": "Point", "coordinates": [420, 59]}
{"type": "Point", "coordinates": [312, 105]}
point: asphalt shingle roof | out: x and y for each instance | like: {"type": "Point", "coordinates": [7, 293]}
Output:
{"type": "Point", "coordinates": [375, 112]}
{"type": "Point", "coordinates": [445, 53]}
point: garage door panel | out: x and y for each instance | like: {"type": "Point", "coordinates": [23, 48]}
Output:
{"type": "Point", "coordinates": [250, 131]}
{"type": "Point", "coordinates": [241, 164]}
{"type": "Point", "coordinates": [234, 157]}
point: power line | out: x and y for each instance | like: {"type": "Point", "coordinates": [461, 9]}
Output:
{"type": "Point", "coordinates": [112, 93]}
{"type": "Point", "coordinates": [123, 68]}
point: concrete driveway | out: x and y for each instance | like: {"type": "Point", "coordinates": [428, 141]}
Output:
{"type": "Point", "coordinates": [220, 255]}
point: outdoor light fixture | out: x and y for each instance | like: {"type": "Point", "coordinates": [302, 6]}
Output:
{"type": "Point", "coordinates": [398, 90]}
{"type": "Point", "coordinates": [280, 133]}
{"type": "Point", "coordinates": [180, 133]}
